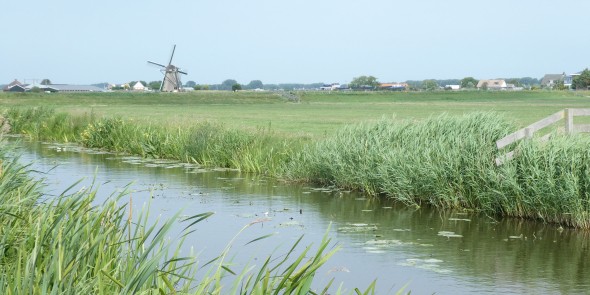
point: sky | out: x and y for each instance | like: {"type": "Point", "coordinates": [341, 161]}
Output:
{"type": "Point", "coordinates": [304, 41]}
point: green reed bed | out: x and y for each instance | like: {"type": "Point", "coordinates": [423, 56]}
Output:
{"type": "Point", "coordinates": [205, 143]}
{"type": "Point", "coordinates": [69, 245]}
{"type": "Point", "coordinates": [448, 162]}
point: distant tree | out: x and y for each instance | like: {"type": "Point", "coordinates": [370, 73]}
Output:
{"type": "Point", "coordinates": [155, 85]}
{"type": "Point", "coordinates": [36, 89]}
{"type": "Point", "coordinates": [45, 82]}
{"type": "Point", "coordinates": [236, 87]}
{"type": "Point", "coordinates": [514, 81]}
{"type": "Point", "coordinates": [255, 84]}
{"type": "Point", "coordinates": [559, 85]}
{"type": "Point", "coordinates": [582, 81]}
{"type": "Point", "coordinates": [364, 82]}
{"type": "Point", "coordinates": [429, 85]}
{"type": "Point", "coordinates": [227, 84]}
{"type": "Point", "coordinates": [191, 84]}
{"type": "Point", "coordinates": [468, 82]}
{"type": "Point", "coordinates": [529, 82]}
{"type": "Point", "coordinates": [484, 86]}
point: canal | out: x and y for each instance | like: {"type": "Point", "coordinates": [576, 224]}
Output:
{"type": "Point", "coordinates": [427, 251]}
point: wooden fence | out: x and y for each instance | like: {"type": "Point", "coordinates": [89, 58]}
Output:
{"type": "Point", "coordinates": [527, 132]}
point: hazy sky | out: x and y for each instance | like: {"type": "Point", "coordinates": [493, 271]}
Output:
{"type": "Point", "coordinates": [305, 41]}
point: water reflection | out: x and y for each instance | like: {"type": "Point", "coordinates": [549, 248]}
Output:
{"type": "Point", "coordinates": [431, 251]}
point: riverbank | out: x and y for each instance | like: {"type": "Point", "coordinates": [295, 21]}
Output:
{"type": "Point", "coordinates": [68, 245]}
{"type": "Point", "coordinates": [444, 161]}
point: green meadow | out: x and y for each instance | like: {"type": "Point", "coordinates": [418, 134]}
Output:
{"type": "Point", "coordinates": [420, 148]}
{"type": "Point", "coordinates": [317, 113]}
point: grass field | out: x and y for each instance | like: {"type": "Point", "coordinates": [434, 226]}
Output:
{"type": "Point", "coordinates": [317, 114]}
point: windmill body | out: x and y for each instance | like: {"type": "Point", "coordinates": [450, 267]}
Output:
{"type": "Point", "coordinates": [171, 81]}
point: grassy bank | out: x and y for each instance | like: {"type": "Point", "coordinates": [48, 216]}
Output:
{"type": "Point", "coordinates": [67, 245]}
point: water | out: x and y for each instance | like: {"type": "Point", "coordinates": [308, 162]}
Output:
{"type": "Point", "coordinates": [428, 251]}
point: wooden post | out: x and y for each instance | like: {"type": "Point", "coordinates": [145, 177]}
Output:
{"type": "Point", "coordinates": [528, 132]}
{"type": "Point", "coordinates": [569, 120]}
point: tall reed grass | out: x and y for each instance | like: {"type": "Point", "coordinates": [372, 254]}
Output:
{"type": "Point", "coordinates": [69, 245]}
{"type": "Point", "coordinates": [448, 162]}
{"type": "Point", "coordinates": [205, 143]}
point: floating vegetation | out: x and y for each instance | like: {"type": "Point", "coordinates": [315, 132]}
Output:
{"type": "Point", "coordinates": [449, 234]}
{"type": "Point", "coordinates": [379, 246]}
{"type": "Point", "coordinates": [430, 264]}
{"type": "Point", "coordinates": [338, 269]}
{"type": "Point", "coordinates": [292, 223]}
{"type": "Point", "coordinates": [357, 227]}
{"type": "Point", "coordinates": [401, 229]}
{"type": "Point", "coordinates": [246, 215]}
{"type": "Point", "coordinates": [516, 237]}
{"type": "Point", "coordinates": [366, 210]}
{"type": "Point", "coordinates": [459, 219]}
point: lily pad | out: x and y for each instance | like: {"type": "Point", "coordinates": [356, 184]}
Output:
{"type": "Point", "coordinates": [449, 234]}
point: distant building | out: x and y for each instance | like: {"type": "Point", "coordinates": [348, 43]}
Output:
{"type": "Point", "coordinates": [333, 86]}
{"type": "Point", "coordinates": [568, 80]}
{"type": "Point", "coordinates": [550, 80]}
{"type": "Point", "coordinates": [394, 86]}
{"type": "Point", "coordinates": [65, 88]}
{"type": "Point", "coordinates": [453, 87]}
{"type": "Point", "coordinates": [14, 86]}
{"type": "Point", "coordinates": [492, 84]}
{"type": "Point", "coordinates": [139, 86]}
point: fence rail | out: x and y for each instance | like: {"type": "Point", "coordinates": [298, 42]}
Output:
{"type": "Point", "coordinates": [528, 132]}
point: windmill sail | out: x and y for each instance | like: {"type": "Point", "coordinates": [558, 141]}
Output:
{"type": "Point", "coordinates": [171, 81]}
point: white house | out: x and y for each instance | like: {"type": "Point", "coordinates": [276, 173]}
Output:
{"type": "Point", "coordinates": [550, 80]}
{"type": "Point", "coordinates": [139, 86]}
{"type": "Point", "coordinates": [492, 84]}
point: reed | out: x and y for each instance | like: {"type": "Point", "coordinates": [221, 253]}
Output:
{"type": "Point", "coordinates": [69, 245]}
{"type": "Point", "coordinates": [204, 143]}
{"type": "Point", "coordinates": [448, 162]}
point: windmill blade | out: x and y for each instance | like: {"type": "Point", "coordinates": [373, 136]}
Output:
{"type": "Point", "coordinates": [182, 72]}
{"type": "Point", "coordinates": [155, 63]}
{"type": "Point", "coordinates": [172, 55]}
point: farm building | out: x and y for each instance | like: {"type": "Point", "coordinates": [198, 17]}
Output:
{"type": "Point", "coordinates": [453, 87]}
{"type": "Point", "coordinates": [138, 86]}
{"type": "Point", "coordinates": [492, 84]}
{"type": "Point", "coordinates": [394, 86]}
{"type": "Point", "coordinates": [14, 86]}
{"type": "Point", "coordinates": [17, 86]}
{"type": "Point", "coordinates": [66, 88]}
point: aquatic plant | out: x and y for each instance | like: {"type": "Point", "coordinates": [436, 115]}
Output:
{"type": "Point", "coordinates": [448, 162]}
{"type": "Point", "coordinates": [69, 245]}
{"type": "Point", "coordinates": [207, 144]}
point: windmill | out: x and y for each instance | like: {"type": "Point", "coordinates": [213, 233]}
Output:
{"type": "Point", "coordinates": [171, 81]}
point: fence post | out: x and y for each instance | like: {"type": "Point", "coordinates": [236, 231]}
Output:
{"type": "Point", "coordinates": [569, 120]}
{"type": "Point", "coordinates": [528, 132]}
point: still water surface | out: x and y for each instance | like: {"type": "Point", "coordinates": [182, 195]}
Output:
{"type": "Point", "coordinates": [428, 251]}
